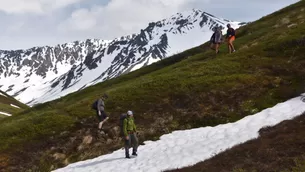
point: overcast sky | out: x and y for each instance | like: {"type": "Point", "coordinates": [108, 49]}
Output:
{"type": "Point", "coordinates": [28, 23]}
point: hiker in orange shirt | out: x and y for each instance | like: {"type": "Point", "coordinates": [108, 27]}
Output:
{"type": "Point", "coordinates": [230, 38]}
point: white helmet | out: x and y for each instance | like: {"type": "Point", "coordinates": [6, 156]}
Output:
{"type": "Point", "coordinates": [129, 113]}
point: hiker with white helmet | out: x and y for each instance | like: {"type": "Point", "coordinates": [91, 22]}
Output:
{"type": "Point", "coordinates": [129, 131]}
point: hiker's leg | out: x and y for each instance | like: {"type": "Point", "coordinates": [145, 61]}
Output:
{"type": "Point", "coordinates": [134, 140]}
{"type": "Point", "coordinates": [229, 46]}
{"type": "Point", "coordinates": [212, 46]}
{"type": "Point", "coordinates": [104, 117]}
{"type": "Point", "coordinates": [100, 125]}
{"type": "Point", "coordinates": [127, 145]}
{"type": "Point", "coordinates": [232, 46]}
{"type": "Point", "coordinates": [99, 119]}
{"type": "Point", "coordinates": [216, 48]}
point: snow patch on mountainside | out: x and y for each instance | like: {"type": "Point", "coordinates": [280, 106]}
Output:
{"type": "Point", "coordinates": [2, 95]}
{"type": "Point", "coordinates": [6, 114]}
{"type": "Point", "coordinates": [15, 106]}
{"type": "Point", "coordinates": [186, 148]}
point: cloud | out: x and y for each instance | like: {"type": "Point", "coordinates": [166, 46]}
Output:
{"type": "Point", "coordinates": [33, 6]}
{"type": "Point", "coordinates": [240, 10]}
{"type": "Point", "coordinates": [80, 20]}
{"type": "Point", "coordinates": [28, 23]}
{"type": "Point", "coordinates": [120, 17]}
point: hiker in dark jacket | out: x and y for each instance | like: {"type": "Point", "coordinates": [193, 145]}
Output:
{"type": "Point", "coordinates": [100, 111]}
{"type": "Point", "coordinates": [129, 130]}
{"type": "Point", "coordinates": [230, 38]}
{"type": "Point", "coordinates": [216, 39]}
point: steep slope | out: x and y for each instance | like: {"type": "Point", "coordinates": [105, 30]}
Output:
{"type": "Point", "coordinates": [52, 72]}
{"type": "Point", "coordinates": [189, 90]}
{"type": "Point", "coordinates": [9, 106]}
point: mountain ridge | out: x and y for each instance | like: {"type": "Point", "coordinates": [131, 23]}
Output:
{"type": "Point", "coordinates": [66, 68]}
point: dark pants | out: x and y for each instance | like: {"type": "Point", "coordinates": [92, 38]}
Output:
{"type": "Point", "coordinates": [133, 140]}
{"type": "Point", "coordinates": [102, 117]}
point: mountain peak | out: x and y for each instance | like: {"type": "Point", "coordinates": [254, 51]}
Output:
{"type": "Point", "coordinates": [54, 71]}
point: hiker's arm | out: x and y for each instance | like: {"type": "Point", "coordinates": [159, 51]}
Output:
{"type": "Point", "coordinates": [98, 105]}
{"type": "Point", "coordinates": [134, 127]}
{"type": "Point", "coordinates": [125, 127]}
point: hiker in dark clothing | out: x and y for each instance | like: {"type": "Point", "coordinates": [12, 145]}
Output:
{"type": "Point", "coordinates": [100, 111]}
{"type": "Point", "coordinates": [230, 38]}
{"type": "Point", "coordinates": [216, 39]}
{"type": "Point", "coordinates": [129, 130]}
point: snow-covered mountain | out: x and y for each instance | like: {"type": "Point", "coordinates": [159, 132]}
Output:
{"type": "Point", "coordinates": [42, 74]}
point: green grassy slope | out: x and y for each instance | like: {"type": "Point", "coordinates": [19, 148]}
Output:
{"type": "Point", "coordinates": [191, 89]}
{"type": "Point", "coordinates": [5, 105]}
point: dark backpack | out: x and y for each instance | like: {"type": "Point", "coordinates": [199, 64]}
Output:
{"type": "Point", "coordinates": [233, 31]}
{"type": "Point", "coordinates": [122, 118]}
{"type": "Point", "coordinates": [212, 38]}
{"type": "Point", "coordinates": [94, 105]}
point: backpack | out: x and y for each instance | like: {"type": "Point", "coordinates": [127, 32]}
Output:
{"type": "Point", "coordinates": [94, 105]}
{"type": "Point", "coordinates": [212, 38]}
{"type": "Point", "coordinates": [232, 31]}
{"type": "Point", "coordinates": [121, 122]}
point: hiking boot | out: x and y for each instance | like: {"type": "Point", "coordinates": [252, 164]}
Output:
{"type": "Point", "coordinates": [127, 156]}
{"type": "Point", "coordinates": [134, 154]}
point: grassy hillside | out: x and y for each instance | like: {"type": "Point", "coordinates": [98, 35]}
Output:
{"type": "Point", "coordinates": [191, 89]}
{"type": "Point", "coordinates": [6, 103]}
